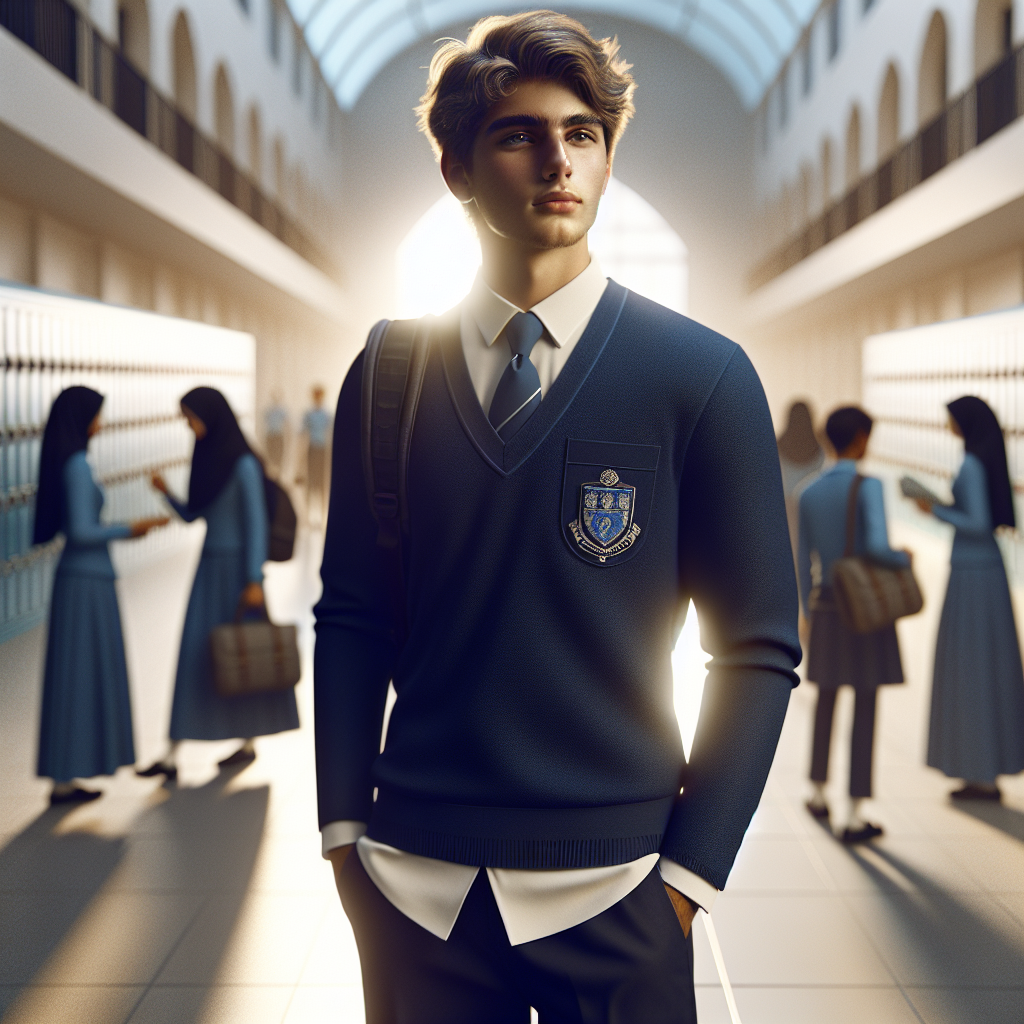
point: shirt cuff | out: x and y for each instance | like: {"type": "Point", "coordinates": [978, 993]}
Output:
{"type": "Point", "coordinates": [341, 833]}
{"type": "Point", "coordinates": [692, 886]}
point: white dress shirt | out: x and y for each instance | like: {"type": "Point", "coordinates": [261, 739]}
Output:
{"type": "Point", "coordinates": [533, 904]}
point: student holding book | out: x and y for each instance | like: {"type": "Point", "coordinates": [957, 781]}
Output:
{"type": "Point", "coordinates": [976, 731]}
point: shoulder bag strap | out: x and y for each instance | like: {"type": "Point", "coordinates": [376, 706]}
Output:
{"type": "Point", "coordinates": [851, 516]}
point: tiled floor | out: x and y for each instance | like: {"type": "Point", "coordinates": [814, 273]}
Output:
{"type": "Point", "coordinates": [208, 902]}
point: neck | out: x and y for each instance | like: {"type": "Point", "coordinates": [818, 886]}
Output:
{"type": "Point", "coordinates": [524, 276]}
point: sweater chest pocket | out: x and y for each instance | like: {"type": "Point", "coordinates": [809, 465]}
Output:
{"type": "Point", "coordinates": [607, 491]}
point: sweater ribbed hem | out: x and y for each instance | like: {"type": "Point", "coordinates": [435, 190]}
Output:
{"type": "Point", "coordinates": [521, 837]}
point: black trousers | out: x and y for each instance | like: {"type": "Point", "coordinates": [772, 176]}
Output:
{"type": "Point", "coordinates": [862, 743]}
{"type": "Point", "coordinates": [630, 965]}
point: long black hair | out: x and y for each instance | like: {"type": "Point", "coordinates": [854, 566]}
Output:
{"type": "Point", "coordinates": [217, 451]}
{"type": "Point", "coordinates": [983, 437]}
{"type": "Point", "coordinates": [67, 432]}
{"type": "Point", "coordinates": [797, 442]}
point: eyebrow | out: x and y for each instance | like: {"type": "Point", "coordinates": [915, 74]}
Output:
{"type": "Point", "coordinates": [534, 121]}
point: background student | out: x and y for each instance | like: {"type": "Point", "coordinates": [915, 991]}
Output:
{"type": "Point", "coordinates": [837, 656]}
{"type": "Point", "coordinates": [86, 724]}
{"type": "Point", "coordinates": [226, 488]}
{"type": "Point", "coordinates": [800, 457]}
{"type": "Point", "coordinates": [316, 425]}
{"type": "Point", "coordinates": [976, 730]}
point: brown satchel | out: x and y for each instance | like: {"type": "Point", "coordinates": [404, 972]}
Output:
{"type": "Point", "coordinates": [870, 597]}
{"type": "Point", "coordinates": [254, 657]}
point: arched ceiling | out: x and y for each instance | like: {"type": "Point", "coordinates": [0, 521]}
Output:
{"type": "Point", "coordinates": [747, 40]}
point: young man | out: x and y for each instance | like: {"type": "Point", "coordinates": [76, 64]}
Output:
{"type": "Point", "coordinates": [837, 656]}
{"type": "Point", "coordinates": [583, 462]}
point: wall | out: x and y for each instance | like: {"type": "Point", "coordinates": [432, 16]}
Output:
{"type": "Point", "coordinates": [892, 31]}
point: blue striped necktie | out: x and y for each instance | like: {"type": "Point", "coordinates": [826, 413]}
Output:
{"type": "Point", "coordinates": [517, 397]}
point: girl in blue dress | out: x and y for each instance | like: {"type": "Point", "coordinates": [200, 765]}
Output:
{"type": "Point", "coordinates": [86, 724]}
{"type": "Point", "coordinates": [226, 488]}
{"type": "Point", "coordinates": [976, 730]}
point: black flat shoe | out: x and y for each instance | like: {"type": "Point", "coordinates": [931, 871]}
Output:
{"type": "Point", "coordinates": [851, 836]}
{"type": "Point", "coordinates": [817, 811]}
{"type": "Point", "coordinates": [240, 756]}
{"type": "Point", "coordinates": [75, 796]}
{"type": "Point", "coordinates": [158, 768]}
{"type": "Point", "coordinates": [973, 792]}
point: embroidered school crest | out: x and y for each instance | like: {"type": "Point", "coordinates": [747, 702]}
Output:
{"type": "Point", "coordinates": [605, 524]}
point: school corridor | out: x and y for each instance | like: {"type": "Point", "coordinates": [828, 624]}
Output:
{"type": "Point", "coordinates": [208, 901]}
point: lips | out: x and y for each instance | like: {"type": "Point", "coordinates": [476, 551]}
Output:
{"type": "Point", "coordinates": [560, 201]}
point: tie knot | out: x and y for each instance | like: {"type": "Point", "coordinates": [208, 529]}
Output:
{"type": "Point", "coordinates": [522, 332]}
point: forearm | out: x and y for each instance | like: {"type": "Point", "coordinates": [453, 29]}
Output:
{"type": "Point", "coordinates": [181, 509]}
{"type": "Point", "coordinates": [351, 672]}
{"type": "Point", "coordinates": [966, 520]}
{"type": "Point", "coordinates": [741, 719]}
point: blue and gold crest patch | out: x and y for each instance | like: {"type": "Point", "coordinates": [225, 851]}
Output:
{"type": "Point", "coordinates": [605, 524]}
{"type": "Point", "coordinates": [608, 515]}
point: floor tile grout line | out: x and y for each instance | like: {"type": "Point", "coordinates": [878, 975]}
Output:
{"type": "Point", "coordinates": [799, 827]}
{"type": "Point", "coordinates": [305, 962]}
{"type": "Point", "coordinates": [166, 960]}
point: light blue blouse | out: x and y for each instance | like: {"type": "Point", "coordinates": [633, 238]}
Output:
{"type": "Point", "coordinates": [86, 552]}
{"type": "Point", "coordinates": [236, 520]}
{"type": "Point", "coordinates": [970, 513]}
{"type": "Point", "coordinates": [823, 525]}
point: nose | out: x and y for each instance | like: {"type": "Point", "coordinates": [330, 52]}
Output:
{"type": "Point", "coordinates": [556, 161]}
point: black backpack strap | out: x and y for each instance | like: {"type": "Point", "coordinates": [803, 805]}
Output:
{"type": "Point", "coordinates": [393, 368]}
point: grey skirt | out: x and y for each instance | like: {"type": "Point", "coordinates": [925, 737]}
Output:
{"type": "Point", "coordinates": [839, 657]}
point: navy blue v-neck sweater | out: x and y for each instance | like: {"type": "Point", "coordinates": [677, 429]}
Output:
{"type": "Point", "coordinates": [546, 580]}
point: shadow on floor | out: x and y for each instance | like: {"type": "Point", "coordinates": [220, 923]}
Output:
{"type": "Point", "coordinates": [1006, 819]}
{"type": "Point", "coordinates": [934, 938]}
{"type": "Point", "coordinates": [46, 882]}
{"type": "Point", "coordinates": [186, 863]}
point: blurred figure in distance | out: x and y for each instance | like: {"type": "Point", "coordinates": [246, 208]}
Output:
{"type": "Point", "coordinates": [275, 433]}
{"type": "Point", "coordinates": [316, 425]}
{"type": "Point", "coordinates": [86, 723]}
{"type": "Point", "coordinates": [837, 656]}
{"type": "Point", "coordinates": [976, 731]}
{"type": "Point", "coordinates": [800, 458]}
{"type": "Point", "coordinates": [226, 488]}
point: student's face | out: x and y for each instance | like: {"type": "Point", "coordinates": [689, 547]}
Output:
{"type": "Point", "coordinates": [539, 168]}
{"type": "Point", "coordinates": [95, 425]}
{"type": "Point", "coordinates": [197, 426]}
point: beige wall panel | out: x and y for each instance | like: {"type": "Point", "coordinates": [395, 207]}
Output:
{"type": "Point", "coordinates": [125, 278]}
{"type": "Point", "coordinates": [166, 292]}
{"type": "Point", "coordinates": [16, 243]}
{"type": "Point", "coordinates": [67, 260]}
{"type": "Point", "coordinates": [997, 283]}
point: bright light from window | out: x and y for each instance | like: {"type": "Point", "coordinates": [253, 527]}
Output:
{"type": "Point", "coordinates": [438, 260]}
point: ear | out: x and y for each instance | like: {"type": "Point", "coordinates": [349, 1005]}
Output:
{"type": "Point", "coordinates": [456, 177]}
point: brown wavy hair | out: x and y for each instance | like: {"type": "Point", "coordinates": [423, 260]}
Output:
{"type": "Point", "coordinates": [467, 78]}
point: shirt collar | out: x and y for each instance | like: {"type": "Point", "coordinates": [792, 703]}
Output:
{"type": "Point", "coordinates": [561, 313]}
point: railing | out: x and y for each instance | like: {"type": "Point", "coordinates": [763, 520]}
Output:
{"type": "Point", "coordinates": [62, 35]}
{"type": "Point", "coordinates": [989, 105]}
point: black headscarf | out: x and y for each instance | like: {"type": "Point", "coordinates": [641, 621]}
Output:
{"type": "Point", "coordinates": [217, 451]}
{"type": "Point", "coordinates": [67, 432]}
{"type": "Point", "coordinates": [797, 442]}
{"type": "Point", "coordinates": [983, 438]}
